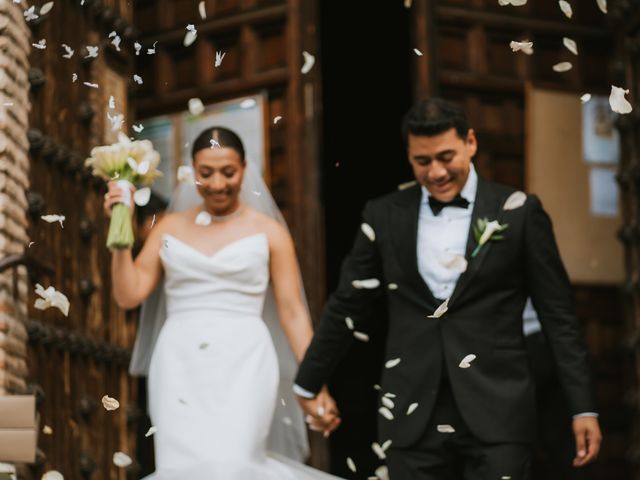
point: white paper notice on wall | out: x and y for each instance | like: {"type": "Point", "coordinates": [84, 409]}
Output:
{"type": "Point", "coordinates": [604, 192]}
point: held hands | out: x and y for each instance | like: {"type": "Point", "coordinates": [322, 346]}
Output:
{"type": "Point", "coordinates": [322, 413]}
{"type": "Point", "coordinates": [588, 439]}
{"type": "Point", "coordinates": [115, 195]}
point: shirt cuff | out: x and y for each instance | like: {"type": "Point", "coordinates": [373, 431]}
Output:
{"type": "Point", "coordinates": [301, 392]}
{"type": "Point", "coordinates": [586, 414]}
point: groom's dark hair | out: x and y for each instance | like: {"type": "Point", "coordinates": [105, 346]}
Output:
{"type": "Point", "coordinates": [226, 139]}
{"type": "Point", "coordinates": [434, 116]}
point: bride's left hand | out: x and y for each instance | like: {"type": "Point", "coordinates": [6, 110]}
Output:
{"type": "Point", "coordinates": [322, 412]}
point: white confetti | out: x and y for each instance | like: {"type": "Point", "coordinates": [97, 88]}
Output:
{"type": "Point", "coordinates": [69, 51]}
{"type": "Point", "coordinates": [412, 408]}
{"type": "Point", "coordinates": [387, 402]}
{"type": "Point", "coordinates": [363, 337]}
{"type": "Point", "coordinates": [92, 51]}
{"type": "Point", "coordinates": [47, 430]}
{"type": "Point", "coordinates": [392, 363]}
{"type": "Point", "coordinates": [121, 460]}
{"type": "Point", "coordinates": [515, 3]}
{"type": "Point", "coordinates": [515, 200]}
{"type": "Point", "coordinates": [386, 413]}
{"type": "Point", "coordinates": [46, 8]}
{"type": "Point", "coordinates": [570, 45]}
{"type": "Point", "coordinates": [30, 14]}
{"type": "Point", "coordinates": [151, 431]}
{"type": "Point", "coordinates": [203, 219]}
{"type": "Point", "coordinates": [602, 5]}
{"type": "Point", "coordinates": [109, 403]}
{"type": "Point", "coordinates": [138, 128]}
{"type": "Point", "coordinates": [91, 85]}
{"type": "Point", "coordinates": [349, 323]}
{"type": "Point", "coordinates": [445, 429]}
{"type": "Point", "coordinates": [309, 62]}
{"type": "Point", "coordinates": [524, 46]}
{"type": "Point", "coordinates": [277, 119]}
{"type": "Point", "coordinates": [618, 103]}
{"type": "Point", "coordinates": [466, 361]}
{"type": "Point", "coordinates": [369, 283]}
{"type": "Point", "coordinates": [202, 11]}
{"type": "Point", "coordinates": [377, 449]}
{"type": "Point", "coordinates": [417, 52]}
{"type": "Point", "coordinates": [142, 196]}
{"type": "Point", "coordinates": [351, 465]}
{"type": "Point", "coordinates": [137, 47]}
{"type": "Point", "coordinates": [52, 475]}
{"type": "Point", "coordinates": [74, 78]}
{"type": "Point", "coordinates": [137, 79]}
{"type": "Point", "coordinates": [219, 57]}
{"type": "Point", "coordinates": [454, 262]}
{"type": "Point", "coordinates": [54, 218]}
{"type": "Point", "coordinates": [368, 231]}
{"type": "Point", "coordinates": [441, 310]}
{"type": "Point", "coordinates": [190, 36]}
{"type": "Point", "coordinates": [585, 98]}
{"type": "Point", "coordinates": [116, 121]}
{"type": "Point", "coordinates": [196, 106]}
{"type": "Point", "coordinates": [152, 51]}
{"type": "Point", "coordinates": [566, 8]}
{"type": "Point", "coordinates": [562, 67]}
{"type": "Point", "coordinates": [41, 45]}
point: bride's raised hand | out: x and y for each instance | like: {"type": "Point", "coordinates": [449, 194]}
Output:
{"type": "Point", "coordinates": [116, 195]}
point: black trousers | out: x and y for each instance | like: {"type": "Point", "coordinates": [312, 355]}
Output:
{"type": "Point", "coordinates": [459, 455]}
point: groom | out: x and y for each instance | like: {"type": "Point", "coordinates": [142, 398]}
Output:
{"type": "Point", "coordinates": [457, 393]}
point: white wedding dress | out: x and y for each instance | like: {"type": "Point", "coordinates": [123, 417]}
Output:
{"type": "Point", "coordinates": [213, 377]}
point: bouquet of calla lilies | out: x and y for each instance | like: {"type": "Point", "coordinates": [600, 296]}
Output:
{"type": "Point", "coordinates": [128, 163]}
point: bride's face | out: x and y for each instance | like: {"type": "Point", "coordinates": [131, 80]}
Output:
{"type": "Point", "coordinates": [219, 173]}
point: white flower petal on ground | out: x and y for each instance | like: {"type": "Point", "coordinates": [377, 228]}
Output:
{"type": "Point", "coordinates": [570, 45]}
{"type": "Point", "coordinates": [121, 460]}
{"type": "Point", "coordinates": [392, 363]}
{"type": "Point", "coordinates": [377, 449]}
{"type": "Point", "coordinates": [276, 119]}
{"type": "Point", "coordinates": [368, 231]}
{"type": "Point", "coordinates": [412, 408]}
{"type": "Point", "coordinates": [196, 107]}
{"type": "Point", "coordinates": [566, 8]}
{"type": "Point", "coordinates": [445, 429]}
{"type": "Point", "coordinates": [151, 431]}
{"type": "Point", "coordinates": [602, 5]}
{"type": "Point", "coordinates": [219, 57]}
{"type": "Point", "coordinates": [417, 52]}
{"type": "Point", "coordinates": [454, 262]}
{"type": "Point", "coordinates": [363, 337]}
{"type": "Point", "coordinates": [562, 67]}
{"type": "Point", "coordinates": [109, 403]}
{"type": "Point", "coordinates": [203, 219]}
{"type": "Point", "coordinates": [349, 322]}
{"type": "Point", "coordinates": [202, 11]}
{"type": "Point", "coordinates": [351, 465]}
{"type": "Point", "coordinates": [387, 402]}
{"type": "Point", "coordinates": [524, 46]}
{"type": "Point", "coordinates": [53, 219]}
{"type": "Point", "coordinates": [69, 51]}
{"type": "Point", "coordinates": [441, 310]}
{"type": "Point", "coordinates": [52, 475]}
{"type": "Point", "coordinates": [618, 103]}
{"type": "Point", "coordinates": [51, 298]}
{"type": "Point", "coordinates": [369, 283]}
{"type": "Point", "coordinates": [585, 98]}
{"type": "Point", "coordinates": [190, 36]}
{"type": "Point", "coordinates": [138, 79]}
{"type": "Point", "coordinates": [466, 361]}
{"type": "Point", "coordinates": [47, 430]}
{"type": "Point", "coordinates": [386, 413]}
{"type": "Point", "coordinates": [515, 200]}
{"type": "Point", "coordinates": [142, 196]}
{"type": "Point", "coordinates": [309, 62]}
{"type": "Point", "coordinates": [46, 8]}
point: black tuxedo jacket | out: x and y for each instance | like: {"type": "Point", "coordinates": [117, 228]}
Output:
{"type": "Point", "coordinates": [496, 394]}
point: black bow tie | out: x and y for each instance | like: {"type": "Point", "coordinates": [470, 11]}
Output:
{"type": "Point", "coordinates": [437, 205]}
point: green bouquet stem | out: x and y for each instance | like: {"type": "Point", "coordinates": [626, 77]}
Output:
{"type": "Point", "coordinates": [120, 235]}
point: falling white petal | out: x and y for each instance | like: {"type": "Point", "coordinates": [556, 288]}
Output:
{"type": "Point", "coordinates": [369, 283]}
{"type": "Point", "coordinates": [441, 310]}
{"type": "Point", "coordinates": [202, 11]}
{"type": "Point", "coordinates": [363, 337]}
{"type": "Point", "coordinates": [110, 403]}
{"type": "Point", "coordinates": [445, 429]}
{"type": "Point", "coordinates": [196, 106]}
{"type": "Point", "coordinates": [112, 102]}
{"type": "Point", "coordinates": [515, 3]}
{"type": "Point", "coordinates": [417, 52]}
{"type": "Point", "coordinates": [387, 402]}
{"type": "Point", "coordinates": [466, 361]}
{"type": "Point", "coordinates": [137, 79]}
{"type": "Point", "coordinates": [309, 62]}
{"type": "Point", "coordinates": [570, 45]}
{"type": "Point", "coordinates": [277, 119]}
{"type": "Point", "coordinates": [138, 128]}
{"type": "Point", "coordinates": [137, 47]}
{"type": "Point", "coordinates": [69, 51]}
{"type": "Point", "coordinates": [219, 57]}
{"type": "Point", "coordinates": [454, 262]}
{"type": "Point", "coordinates": [41, 45]}
{"type": "Point", "coordinates": [377, 449]}
{"type": "Point", "coordinates": [618, 103]}
{"type": "Point", "coordinates": [30, 14]}
{"type": "Point", "coordinates": [392, 286]}
{"type": "Point", "coordinates": [524, 46]}
{"type": "Point", "coordinates": [53, 219]}
{"type": "Point", "coordinates": [392, 363]}
{"type": "Point", "coordinates": [382, 472]}
{"type": "Point", "coordinates": [52, 475]}
{"type": "Point", "coordinates": [92, 51]}
{"type": "Point", "coordinates": [74, 77]}
{"type": "Point", "coordinates": [390, 395]}
{"type": "Point", "coordinates": [602, 5]}
{"type": "Point", "coordinates": [351, 465]}
{"type": "Point", "coordinates": [377, 387]}
{"type": "Point", "coordinates": [412, 408]}
{"type": "Point", "coordinates": [190, 36]}
{"type": "Point", "coordinates": [142, 196]}
{"type": "Point", "coordinates": [46, 8]}
{"type": "Point", "coordinates": [566, 8]}
{"type": "Point", "coordinates": [151, 51]}
{"type": "Point", "coordinates": [203, 219]}
{"type": "Point", "coordinates": [505, 477]}
{"type": "Point", "coordinates": [349, 323]}
{"type": "Point", "coordinates": [585, 98]}
{"type": "Point", "coordinates": [47, 430]}
{"type": "Point", "coordinates": [151, 431]}
{"type": "Point", "coordinates": [386, 413]}
{"type": "Point", "coordinates": [515, 200]}
{"type": "Point", "coordinates": [386, 445]}
{"type": "Point", "coordinates": [91, 85]}
{"type": "Point", "coordinates": [562, 67]}
{"type": "Point", "coordinates": [368, 231]}
{"type": "Point", "coordinates": [121, 460]}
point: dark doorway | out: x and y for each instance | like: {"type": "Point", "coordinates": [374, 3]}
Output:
{"type": "Point", "coordinates": [366, 89]}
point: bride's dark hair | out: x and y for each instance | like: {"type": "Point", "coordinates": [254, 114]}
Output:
{"type": "Point", "coordinates": [225, 138]}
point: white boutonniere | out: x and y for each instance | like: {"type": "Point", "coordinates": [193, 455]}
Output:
{"type": "Point", "coordinates": [485, 230]}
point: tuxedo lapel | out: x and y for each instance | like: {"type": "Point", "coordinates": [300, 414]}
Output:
{"type": "Point", "coordinates": [404, 224]}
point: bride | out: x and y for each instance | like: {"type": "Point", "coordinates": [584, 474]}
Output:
{"type": "Point", "coordinates": [213, 368]}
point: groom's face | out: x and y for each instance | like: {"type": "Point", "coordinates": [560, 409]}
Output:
{"type": "Point", "coordinates": [441, 162]}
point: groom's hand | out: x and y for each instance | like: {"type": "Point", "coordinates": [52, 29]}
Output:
{"type": "Point", "coordinates": [322, 413]}
{"type": "Point", "coordinates": [588, 440]}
